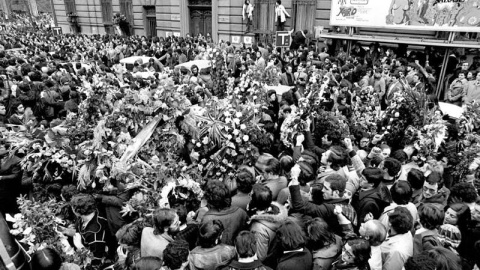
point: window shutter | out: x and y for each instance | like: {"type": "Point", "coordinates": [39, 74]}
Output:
{"type": "Point", "coordinates": [70, 7]}
{"type": "Point", "coordinates": [107, 12]}
{"type": "Point", "coordinates": [264, 15]}
{"type": "Point", "coordinates": [304, 12]}
{"type": "Point", "coordinates": [127, 10]}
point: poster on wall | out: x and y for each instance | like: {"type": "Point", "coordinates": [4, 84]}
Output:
{"type": "Point", "coordinates": [247, 40]}
{"type": "Point", "coordinates": [236, 39]}
{"type": "Point", "coordinates": [429, 15]}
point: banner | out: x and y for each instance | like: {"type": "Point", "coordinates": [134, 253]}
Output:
{"type": "Point", "coordinates": [428, 15]}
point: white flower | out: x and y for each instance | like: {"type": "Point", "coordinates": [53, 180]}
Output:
{"type": "Point", "coordinates": [238, 114]}
{"type": "Point", "coordinates": [199, 144]}
{"type": "Point", "coordinates": [245, 138]}
{"type": "Point", "coordinates": [205, 140]}
{"type": "Point", "coordinates": [243, 126]}
{"type": "Point", "coordinates": [236, 121]}
{"type": "Point", "coordinates": [236, 132]}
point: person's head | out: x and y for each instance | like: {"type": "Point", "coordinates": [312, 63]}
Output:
{"type": "Point", "coordinates": [130, 234]}
{"type": "Point", "coordinates": [462, 74]}
{"type": "Point", "coordinates": [272, 168]}
{"type": "Point", "coordinates": [400, 155]}
{"type": "Point", "coordinates": [181, 211]}
{"type": "Point", "coordinates": [357, 252]}
{"type": "Point", "coordinates": [166, 220]}
{"type": "Point", "coordinates": [332, 137]}
{"type": "Point", "coordinates": [364, 142]}
{"type": "Point", "coordinates": [175, 255]}
{"type": "Point", "coordinates": [319, 234]}
{"type": "Point", "coordinates": [336, 157]}
{"type": "Point", "coordinates": [291, 236]}
{"type": "Point", "coordinates": [334, 187]}
{"type": "Point", "coordinates": [471, 75]}
{"type": "Point", "coordinates": [148, 263]}
{"type": "Point", "coordinates": [421, 261]}
{"type": "Point", "coordinates": [217, 195]}
{"type": "Point", "coordinates": [400, 221]}
{"type": "Point", "coordinates": [210, 233]}
{"type": "Point", "coordinates": [444, 259]}
{"type": "Point", "coordinates": [457, 214]}
{"type": "Point", "coordinates": [246, 244]}
{"type": "Point", "coordinates": [373, 176]}
{"type": "Point", "coordinates": [401, 192]}
{"type": "Point", "coordinates": [288, 69]}
{"type": "Point", "coordinates": [465, 65]}
{"type": "Point", "coordinates": [374, 231]}
{"type": "Point", "coordinates": [83, 204]}
{"type": "Point", "coordinates": [279, 2]}
{"type": "Point", "coordinates": [463, 192]}
{"type": "Point", "coordinates": [430, 216]}
{"type": "Point", "coordinates": [392, 168]}
{"type": "Point", "coordinates": [46, 259]}
{"type": "Point", "coordinates": [261, 198]}
{"type": "Point", "coordinates": [245, 180]}
{"type": "Point", "coordinates": [416, 179]}
{"type": "Point", "coordinates": [20, 109]}
{"type": "Point", "coordinates": [431, 185]}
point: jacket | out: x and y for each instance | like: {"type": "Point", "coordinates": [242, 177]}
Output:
{"type": "Point", "coordinates": [153, 245]}
{"type": "Point", "coordinates": [371, 201]}
{"type": "Point", "coordinates": [247, 10]}
{"type": "Point", "coordinates": [298, 39]}
{"type": "Point", "coordinates": [323, 258]}
{"type": "Point", "coordinates": [265, 227]}
{"type": "Point", "coordinates": [439, 199]}
{"type": "Point", "coordinates": [282, 13]}
{"type": "Point", "coordinates": [94, 237]}
{"type": "Point", "coordinates": [255, 265]}
{"type": "Point", "coordinates": [472, 92]}
{"type": "Point", "coordinates": [296, 260]}
{"type": "Point", "coordinates": [425, 240]}
{"type": "Point", "coordinates": [211, 258]}
{"type": "Point", "coordinates": [233, 220]}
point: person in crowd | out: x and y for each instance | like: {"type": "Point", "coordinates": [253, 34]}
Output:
{"type": "Point", "coordinates": [128, 238]}
{"type": "Point", "coordinates": [245, 182]}
{"type": "Point", "coordinates": [375, 232]}
{"type": "Point", "coordinates": [325, 245]}
{"type": "Point", "coordinates": [188, 231]}
{"type": "Point", "coordinates": [175, 255]}
{"type": "Point", "coordinates": [211, 253]}
{"type": "Point", "coordinates": [247, 14]}
{"type": "Point", "coordinates": [430, 218]}
{"type": "Point", "coordinates": [457, 88]}
{"type": "Point", "coordinates": [457, 219]}
{"type": "Point", "coordinates": [281, 15]}
{"type": "Point", "coordinates": [416, 179]}
{"type": "Point", "coordinates": [422, 261]}
{"type": "Point", "coordinates": [472, 91]}
{"type": "Point", "coordinates": [444, 259]}
{"type": "Point", "coordinates": [148, 263]}
{"type": "Point", "coordinates": [401, 193]}
{"type": "Point", "coordinates": [463, 192]}
{"type": "Point", "coordinates": [155, 239]}
{"type": "Point", "coordinates": [220, 208]}
{"type": "Point", "coordinates": [434, 191]}
{"type": "Point", "coordinates": [334, 192]}
{"type": "Point", "coordinates": [398, 246]}
{"type": "Point", "coordinates": [295, 254]}
{"type": "Point", "coordinates": [355, 255]}
{"type": "Point", "coordinates": [245, 246]}
{"type": "Point", "coordinates": [272, 178]}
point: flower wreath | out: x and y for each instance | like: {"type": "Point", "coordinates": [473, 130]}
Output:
{"type": "Point", "coordinates": [171, 189]}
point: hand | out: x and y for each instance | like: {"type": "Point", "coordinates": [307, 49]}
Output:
{"type": "Point", "coordinates": [308, 124]}
{"type": "Point", "coordinates": [338, 210]}
{"type": "Point", "coordinates": [294, 173]}
{"type": "Point", "coordinates": [368, 217]}
{"type": "Point", "coordinates": [122, 254]}
{"type": "Point", "coordinates": [300, 139]}
{"type": "Point", "coordinates": [348, 144]}
{"type": "Point", "coordinates": [77, 241]}
{"type": "Point", "coordinates": [67, 231]}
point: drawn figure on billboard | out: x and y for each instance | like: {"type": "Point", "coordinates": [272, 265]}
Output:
{"type": "Point", "coordinates": [398, 12]}
{"type": "Point", "coordinates": [470, 14]}
{"type": "Point", "coordinates": [446, 14]}
{"type": "Point", "coordinates": [342, 2]}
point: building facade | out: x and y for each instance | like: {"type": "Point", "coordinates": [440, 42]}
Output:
{"type": "Point", "coordinates": [222, 19]}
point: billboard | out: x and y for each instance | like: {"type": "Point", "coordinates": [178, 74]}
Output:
{"type": "Point", "coordinates": [429, 15]}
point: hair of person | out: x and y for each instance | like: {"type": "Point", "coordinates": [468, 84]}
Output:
{"type": "Point", "coordinates": [317, 193]}
{"type": "Point", "coordinates": [444, 259]}
{"type": "Point", "coordinates": [83, 204]}
{"type": "Point", "coordinates": [217, 195]}
{"type": "Point", "coordinates": [175, 254]}
{"type": "Point", "coordinates": [430, 216]}
{"type": "Point", "coordinates": [182, 213]}
{"type": "Point", "coordinates": [464, 191]}
{"type": "Point", "coordinates": [421, 261]}
{"type": "Point", "coordinates": [416, 178]}
{"type": "Point", "coordinates": [338, 157]}
{"type": "Point", "coordinates": [401, 192]}
{"type": "Point", "coordinates": [273, 166]}
{"type": "Point", "coordinates": [399, 155]}
{"type": "Point", "coordinates": [335, 136]}
{"type": "Point", "coordinates": [148, 263]}
{"type": "Point", "coordinates": [286, 163]}
{"type": "Point", "coordinates": [306, 173]}
{"type": "Point", "coordinates": [362, 251]}
{"type": "Point", "coordinates": [246, 244]}
{"type": "Point", "coordinates": [434, 178]}
{"type": "Point", "coordinates": [279, 2]}
{"type": "Point", "coordinates": [375, 231]}
{"type": "Point", "coordinates": [163, 218]}
{"type": "Point", "coordinates": [393, 166]}
{"type": "Point", "coordinates": [401, 220]}
{"type": "Point", "coordinates": [464, 215]}
{"type": "Point", "coordinates": [291, 235]}
{"type": "Point", "coordinates": [319, 234]}
{"type": "Point", "coordinates": [245, 180]}
{"type": "Point", "coordinates": [337, 182]}
{"type": "Point", "coordinates": [46, 259]}
{"type": "Point", "coordinates": [69, 191]}
{"type": "Point", "coordinates": [209, 233]}
{"type": "Point", "coordinates": [130, 234]}
{"type": "Point", "coordinates": [261, 197]}
{"type": "Point", "coordinates": [373, 176]}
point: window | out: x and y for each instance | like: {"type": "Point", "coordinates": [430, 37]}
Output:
{"type": "Point", "coordinates": [107, 13]}
{"type": "Point", "coordinates": [304, 14]}
{"type": "Point", "coordinates": [127, 10]}
{"type": "Point", "coordinates": [70, 7]}
{"type": "Point", "coordinates": [264, 16]}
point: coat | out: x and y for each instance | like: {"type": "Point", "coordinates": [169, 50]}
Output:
{"type": "Point", "coordinates": [371, 201]}
{"type": "Point", "coordinates": [296, 260]}
{"type": "Point", "coordinates": [297, 39]}
{"type": "Point", "coordinates": [211, 258]}
{"type": "Point", "coordinates": [282, 13]}
{"type": "Point", "coordinates": [265, 227]}
{"type": "Point", "coordinates": [247, 10]}
{"type": "Point", "coordinates": [233, 220]}
{"type": "Point", "coordinates": [323, 258]}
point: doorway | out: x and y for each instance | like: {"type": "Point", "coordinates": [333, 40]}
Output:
{"type": "Point", "coordinates": [200, 17]}
{"type": "Point", "coordinates": [150, 21]}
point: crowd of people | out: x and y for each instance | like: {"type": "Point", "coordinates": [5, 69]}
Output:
{"type": "Point", "coordinates": [313, 158]}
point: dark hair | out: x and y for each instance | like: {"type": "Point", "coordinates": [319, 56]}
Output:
{"type": "Point", "coordinates": [466, 192]}
{"type": "Point", "coordinates": [361, 250]}
{"type": "Point", "coordinates": [319, 234]}
{"type": "Point", "coordinates": [175, 254]}
{"type": "Point", "coordinates": [130, 234]}
{"type": "Point", "coordinates": [392, 166]}
{"type": "Point", "coordinates": [430, 216]}
{"type": "Point", "coordinates": [163, 218]}
{"type": "Point", "coordinates": [209, 232]}
{"type": "Point", "coordinates": [444, 259]}
{"type": "Point", "coordinates": [46, 259]}
{"type": "Point", "coordinates": [317, 193]}
{"type": "Point", "coordinates": [401, 192]}
{"type": "Point", "coordinates": [148, 263]}
{"type": "Point", "coordinates": [245, 180]}
{"type": "Point", "coordinates": [261, 197]}
{"type": "Point", "coordinates": [399, 155]}
{"type": "Point", "coordinates": [464, 216]}
{"type": "Point", "coordinates": [273, 166]}
{"type": "Point", "coordinates": [416, 178]}
{"type": "Point", "coordinates": [291, 236]}
{"type": "Point", "coordinates": [69, 191]}
{"type": "Point", "coordinates": [373, 176]}
{"type": "Point", "coordinates": [83, 204]}
{"type": "Point", "coordinates": [279, 2]}
{"type": "Point", "coordinates": [338, 157]}
{"type": "Point", "coordinates": [401, 220]}
{"type": "Point", "coordinates": [217, 195]}
{"type": "Point", "coordinates": [337, 182]}
{"type": "Point", "coordinates": [421, 261]}
{"type": "Point", "coordinates": [246, 244]}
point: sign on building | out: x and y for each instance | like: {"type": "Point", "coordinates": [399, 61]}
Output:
{"type": "Point", "coordinates": [282, 39]}
{"type": "Point", "coordinates": [57, 31]}
{"type": "Point", "coordinates": [247, 40]}
{"type": "Point", "coordinates": [433, 15]}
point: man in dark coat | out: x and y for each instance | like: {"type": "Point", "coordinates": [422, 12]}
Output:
{"type": "Point", "coordinates": [298, 39]}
